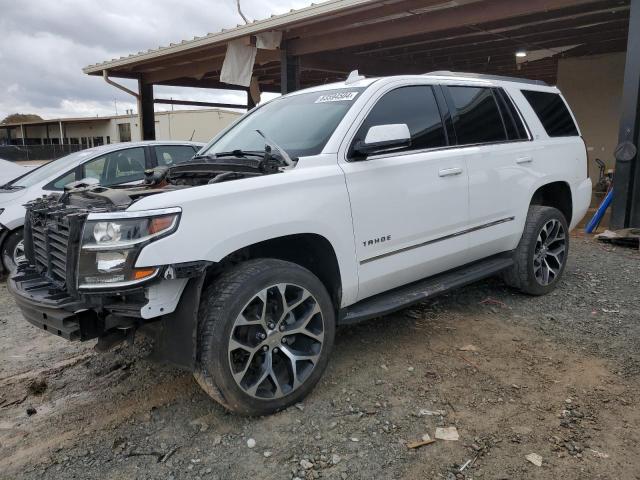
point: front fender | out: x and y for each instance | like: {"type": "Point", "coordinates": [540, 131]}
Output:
{"type": "Point", "coordinates": [220, 219]}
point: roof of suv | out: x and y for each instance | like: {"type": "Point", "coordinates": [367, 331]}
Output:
{"type": "Point", "coordinates": [442, 75]}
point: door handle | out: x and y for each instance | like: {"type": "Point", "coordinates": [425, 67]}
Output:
{"type": "Point", "coordinates": [526, 159]}
{"type": "Point", "coordinates": [449, 172]}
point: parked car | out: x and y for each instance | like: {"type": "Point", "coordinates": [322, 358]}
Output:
{"type": "Point", "coordinates": [11, 170]}
{"type": "Point", "coordinates": [323, 207]}
{"type": "Point", "coordinates": [114, 164]}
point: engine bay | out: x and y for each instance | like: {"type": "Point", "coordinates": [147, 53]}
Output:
{"type": "Point", "coordinates": [202, 170]}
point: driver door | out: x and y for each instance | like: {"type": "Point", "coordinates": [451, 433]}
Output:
{"type": "Point", "coordinates": [408, 206]}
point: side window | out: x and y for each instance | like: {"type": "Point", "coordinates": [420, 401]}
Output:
{"type": "Point", "coordinates": [122, 166]}
{"type": "Point", "coordinates": [94, 168]}
{"type": "Point", "coordinates": [62, 181]}
{"type": "Point", "coordinates": [552, 112]}
{"type": "Point", "coordinates": [173, 154]}
{"type": "Point", "coordinates": [512, 121]}
{"type": "Point", "coordinates": [476, 117]}
{"type": "Point", "coordinates": [416, 106]}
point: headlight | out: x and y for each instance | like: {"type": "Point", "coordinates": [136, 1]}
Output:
{"type": "Point", "coordinates": [110, 246]}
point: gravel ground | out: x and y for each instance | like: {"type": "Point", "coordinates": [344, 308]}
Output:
{"type": "Point", "coordinates": [556, 376]}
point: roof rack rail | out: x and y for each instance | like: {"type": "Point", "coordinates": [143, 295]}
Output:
{"type": "Point", "coordinates": [482, 76]}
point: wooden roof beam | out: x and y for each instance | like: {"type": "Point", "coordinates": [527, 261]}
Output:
{"type": "Point", "coordinates": [474, 13]}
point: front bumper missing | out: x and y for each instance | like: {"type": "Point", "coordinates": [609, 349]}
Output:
{"type": "Point", "coordinates": [50, 309]}
{"type": "Point", "coordinates": [89, 317]}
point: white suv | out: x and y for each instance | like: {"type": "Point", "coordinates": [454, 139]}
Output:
{"type": "Point", "coordinates": [323, 207]}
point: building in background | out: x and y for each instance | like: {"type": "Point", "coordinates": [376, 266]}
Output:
{"type": "Point", "coordinates": [79, 133]}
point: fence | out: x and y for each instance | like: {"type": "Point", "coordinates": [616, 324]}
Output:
{"type": "Point", "coordinates": [37, 152]}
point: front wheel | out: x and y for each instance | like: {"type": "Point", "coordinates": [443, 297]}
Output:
{"type": "Point", "coordinates": [266, 329]}
{"type": "Point", "coordinates": [542, 253]}
{"type": "Point", "coordinates": [13, 251]}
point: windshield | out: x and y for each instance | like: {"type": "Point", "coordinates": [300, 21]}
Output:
{"type": "Point", "coordinates": [50, 169]}
{"type": "Point", "coordinates": [300, 124]}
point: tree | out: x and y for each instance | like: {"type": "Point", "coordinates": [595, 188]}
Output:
{"type": "Point", "coordinates": [21, 118]}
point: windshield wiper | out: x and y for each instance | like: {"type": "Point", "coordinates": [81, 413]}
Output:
{"type": "Point", "coordinates": [285, 156]}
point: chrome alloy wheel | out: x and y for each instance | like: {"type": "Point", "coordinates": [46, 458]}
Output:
{"type": "Point", "coordinates": [276, 341]}
{"type": "Point", "coordinates": [550, 252]}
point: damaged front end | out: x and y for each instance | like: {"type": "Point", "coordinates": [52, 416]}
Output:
{"type": "Point", "coordinates": [81, 281]}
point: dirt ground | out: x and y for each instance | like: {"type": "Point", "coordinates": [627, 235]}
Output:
{"type": "Point", "coordinates": [558, 376]}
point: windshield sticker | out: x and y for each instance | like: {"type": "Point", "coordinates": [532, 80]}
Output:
{"type": "Point", "coordinates": [337, 97]}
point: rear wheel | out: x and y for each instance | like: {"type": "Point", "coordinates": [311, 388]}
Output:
{"type": "Point", "coordinates": [266, 328]}
{"type": "Point", "coordinates": [541, 255]}
{"type": "Point", "coordinates": [13, 251]}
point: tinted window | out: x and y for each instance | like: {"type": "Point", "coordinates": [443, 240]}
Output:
{"type": "Point", "coordinates": [122, 166]}
{"type": "Point", "coordinates": [512, 121]}
{"type": "Point", "coordinates": [301, 123]}
{"type": "Point", "coordinates": [173, 154]}
{"type": "Point", "coordinates": [477, 118]}
{"type": "Point", "coordinates": [415, 106]}
{"type": "Point", "coordinates": [62, 181]}
{"type": "Point", "coordinates": [552, 112]}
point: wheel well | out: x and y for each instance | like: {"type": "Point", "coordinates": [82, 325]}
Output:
{"type": "Point", "coordinates": [311, 251]}
{"type": "Point", "coordinates": [557, 195]}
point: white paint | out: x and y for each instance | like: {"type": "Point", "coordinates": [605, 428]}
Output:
{"type": "Point", "coordinates": [401, 196]}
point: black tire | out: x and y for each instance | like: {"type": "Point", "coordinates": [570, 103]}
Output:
{"type": "Point", "coordinates": [221, 304]}
{"type": "Point", "coordinates": [525, 274]}
{"type": "Point", "coordinates": [10, 248]}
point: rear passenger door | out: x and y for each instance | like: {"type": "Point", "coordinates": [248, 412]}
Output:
{"type": "Point", "coordinates": [491, 135]}
{"type": "Point", "coordinates": [408, 206]}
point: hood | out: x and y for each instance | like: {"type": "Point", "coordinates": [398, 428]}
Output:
{"type": "Point", "coordinates": [8, 197]}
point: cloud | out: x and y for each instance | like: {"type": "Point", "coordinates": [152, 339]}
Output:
{"type": "Point", "coordinates": [46, 43]}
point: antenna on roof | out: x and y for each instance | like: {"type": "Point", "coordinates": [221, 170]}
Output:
{"type": "Point", "coordinates": [354, 77]}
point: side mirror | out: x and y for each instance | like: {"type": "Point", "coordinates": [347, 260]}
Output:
{"type": "Point", "coordinates": [384, 138]}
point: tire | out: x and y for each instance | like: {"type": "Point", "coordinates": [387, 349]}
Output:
{"type": "Point", "coordinates": [538, 246]}
{"type": "Point", "coordinates": [13, 251]}
{"type": "Point", "coordinates": [243, 329]}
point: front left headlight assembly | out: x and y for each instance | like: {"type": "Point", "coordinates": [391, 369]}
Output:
{"type": "Point", "coordinates": [111, 243]}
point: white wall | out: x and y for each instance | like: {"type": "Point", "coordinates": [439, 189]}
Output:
{"type": "Point", "coordinates": [202, 125]}
{"type": "Point", "coordinates": [593, 87]}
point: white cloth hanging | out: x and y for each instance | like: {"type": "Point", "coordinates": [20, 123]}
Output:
{"type": "Point", "coordinates": [268, 40]}
{"type": "Point", "coordinates": [238, 63]}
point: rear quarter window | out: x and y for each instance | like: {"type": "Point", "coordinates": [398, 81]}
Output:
{"type": "Point", "coordinates": [552, 112]}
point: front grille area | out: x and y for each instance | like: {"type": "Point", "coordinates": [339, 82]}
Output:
{"type": "Point", "coordinates": [50, 242]}
{"type": "Point", "coordinates": [52, 236]}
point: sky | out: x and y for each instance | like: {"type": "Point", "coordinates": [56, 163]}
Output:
{"type": "Point", "coordinates": [45, 44]}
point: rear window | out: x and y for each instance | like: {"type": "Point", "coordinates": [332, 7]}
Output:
{"type": "Point", "coordinates": [477, 118]}
{"type": "Point", "coordinates": [552, 112]}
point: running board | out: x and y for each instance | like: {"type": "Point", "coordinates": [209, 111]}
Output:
{"type": "Point", "coordinates": [404, 296]}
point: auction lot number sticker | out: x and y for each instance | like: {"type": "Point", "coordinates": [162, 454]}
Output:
{"type": "Point", "coordinates": [337, 97]}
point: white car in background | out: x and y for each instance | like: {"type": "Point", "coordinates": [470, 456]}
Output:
{"type": "Point", "coordinates": [11, 170]}
{"type": "Point", "coordinates": [114, 164]}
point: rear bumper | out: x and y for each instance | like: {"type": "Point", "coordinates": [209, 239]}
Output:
{"type": "Point", "coordinates": [581, 201]}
